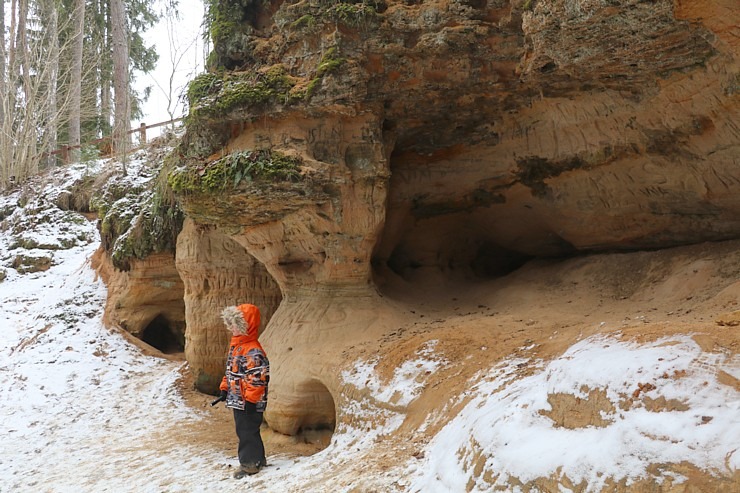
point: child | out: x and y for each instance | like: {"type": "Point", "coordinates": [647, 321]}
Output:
{"type": "Point", "coordinates": [245, 385]}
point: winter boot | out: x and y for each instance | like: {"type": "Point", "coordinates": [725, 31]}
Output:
{"type": "Point", "coordinates": [248, 469]}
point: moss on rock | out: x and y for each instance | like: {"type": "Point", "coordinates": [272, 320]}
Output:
{"type": "Point", "coordinates": [28, 263]}
{"type": "Point", "coordinates": [226, 173]}
{"type": "Point", "coordinates": [230, 30]}
{"type": "Point", "coordinates": [353, 14]}
{"type": "Point", "coordinates": [136, 221]}
{"type": "Point", "coordinates": [203, 86]}
{"type": "Point", "coordinates": [214, 95]}
{"type": "Point", "coordinates": [316, 15]}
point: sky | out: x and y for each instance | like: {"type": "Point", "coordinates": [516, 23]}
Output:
{"type": "Point", "coordinates": [83, 410]}
{"type": "Point", "coordinates": [180, 46]}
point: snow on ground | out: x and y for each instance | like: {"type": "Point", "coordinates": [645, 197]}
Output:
{"type": "Point", "coordinates": [506, 419]}
{"type": "Point", "coordinates": [407, 379]}
{"type": "Point", "coordinates": [83, 410]}
{"type": "Point", "coordinates": [77, 403]}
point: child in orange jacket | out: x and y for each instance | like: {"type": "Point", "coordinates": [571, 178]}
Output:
{"type": "Point", "coordinates": [245, 384]}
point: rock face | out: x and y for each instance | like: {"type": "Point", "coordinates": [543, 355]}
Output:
{"type": "Point", "coordinates": [437, 141]}
{"type": "Point", "coordinates": [512, 126]}
{"type": "Point", "coordinates": [217, 272]}
{"type": "Point", "coordinates": [596, 144]}
{"type": "Point", "coordinates": [456, 140]}
{"type": "Point", "coordinates": [319, 253]}
{"type": "Point", "coordinates": [146, 301]}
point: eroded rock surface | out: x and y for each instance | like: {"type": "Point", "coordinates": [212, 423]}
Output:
{"type": "Point", "coordinates": [315, 241]}
{"type": "Point", "coordinates": [217, 272]}
{"type": "Point", "coordinates": [458, 140]}
{"type": "Point", "coordinates": [423, 144]}
{"type": "Point", "coordinates": [146, 301]}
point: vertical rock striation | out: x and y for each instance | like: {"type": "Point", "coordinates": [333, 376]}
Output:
{"type": "Point", "coordinates": [217, 272]}
{"type": "Point", "coordinates": [315, 237]}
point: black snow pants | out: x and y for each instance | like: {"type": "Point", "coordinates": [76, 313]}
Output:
{"type": "Point", "coordinates": [251, 449]}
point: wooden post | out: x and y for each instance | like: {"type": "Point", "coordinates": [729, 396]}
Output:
{"type": "Point", "coordinates": [65, 155]}
{"type": "Point", "coordinates": [142, 133]}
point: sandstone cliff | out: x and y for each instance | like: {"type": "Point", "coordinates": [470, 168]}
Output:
{"type": "Point", "coordinates": [347, 164]}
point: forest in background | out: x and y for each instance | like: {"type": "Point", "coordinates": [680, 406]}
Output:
{"type": "Point", "coordinates": [68, 78]}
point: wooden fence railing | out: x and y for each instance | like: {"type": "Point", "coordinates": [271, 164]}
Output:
{"type": "Point", "coordinates": [105, 148]}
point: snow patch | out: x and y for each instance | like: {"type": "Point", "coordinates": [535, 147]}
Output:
{"type": "Point", "coordinates": [408, 379]}
{"type": "Point", "coordinates": [504, 432]}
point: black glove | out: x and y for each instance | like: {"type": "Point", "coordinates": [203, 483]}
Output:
{"type": "Point", "coordinates": [222, 397]}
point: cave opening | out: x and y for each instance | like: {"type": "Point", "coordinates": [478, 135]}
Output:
{"type": "Point", "coordinates": [318, 419]}
{"type": "Point", "coordinates": [492, 260]}
{"type": "Point", "coordinates": [465, 258]}
{"type": "Point", "coordinates": [161, 334]}
{"type": "Point", "coordinates": [448, 229]}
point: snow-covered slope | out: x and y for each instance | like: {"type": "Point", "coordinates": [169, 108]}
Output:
{"type": "Point", "coordinates": [82, 409]}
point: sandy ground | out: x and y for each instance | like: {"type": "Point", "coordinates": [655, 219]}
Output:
{"type": "Point", "coordinates": [546, 306]}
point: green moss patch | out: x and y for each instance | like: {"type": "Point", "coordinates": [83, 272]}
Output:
{"type": "Point", "coordinates": [330, 62]}
{"type": "Point", "coordinates": [353, 14]}
{"type": "Point", "coordinates": [226, 173]}
{"type": "Point", "coordinates": [313, 15]}
{"type": "Point", "coordinates": [136, 221]}
{"type": "Point", "coordinates": [212, 95]}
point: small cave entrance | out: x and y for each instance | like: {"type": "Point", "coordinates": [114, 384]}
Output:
{"type": "Point", "coordinates": [446, 249]}
{"type": "Point", "coordinates": [445, 230]}
{"type": "Point", "coordinates": [492, 260]}
{"type": "Point", "coordinates": [163, 335]}
{"type": "Point", "coordinates": [318, 419]}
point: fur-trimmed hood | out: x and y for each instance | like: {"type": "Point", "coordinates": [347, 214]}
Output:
{"type": "Point", "coordinates": [246, 318]}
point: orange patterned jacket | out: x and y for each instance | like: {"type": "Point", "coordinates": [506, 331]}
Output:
{"type": "Point", "coordinates": [247, 371]}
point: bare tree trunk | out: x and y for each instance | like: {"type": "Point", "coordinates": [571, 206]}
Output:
{"type": "Point", "coordinates": [4, 175]}
{"type": "Point", "coordinates": [7, 149]}
{"type": "Point", "coordinates": [105, 103]}
{"type": "Point", "coordinates": [22, 44]}
{"type": "Point", "coordinates": [18, 142]}
{"type": "Point", "coordinates": [2, 63]}
{"type": "Point", "coordinates": [51, 119]}
{"type": "Point", "coordinates": [11, 37]}
{"type": "Point", "coordinates": [75, 84]}
{"type": "Point", "coordinates": [122, 108]}
{"type": "Point", "coordinates": [105, 46]}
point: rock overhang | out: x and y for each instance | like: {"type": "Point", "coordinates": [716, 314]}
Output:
{"type": "Point", "coordinates": [468, 139]}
